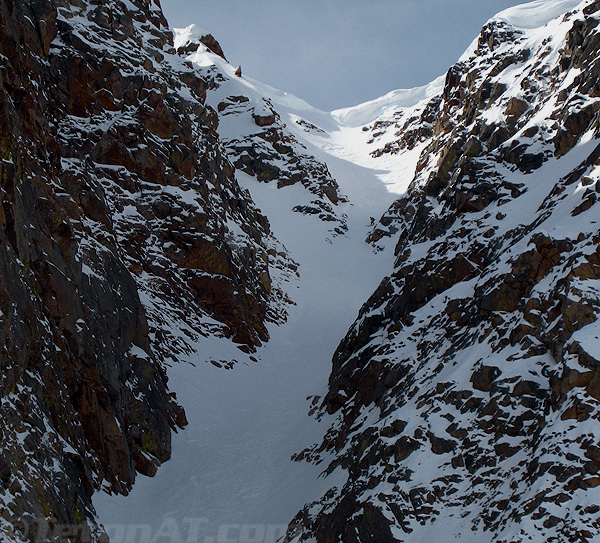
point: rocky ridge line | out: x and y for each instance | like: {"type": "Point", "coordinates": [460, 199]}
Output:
{"type": "Point", "coordinates": [257, 140]}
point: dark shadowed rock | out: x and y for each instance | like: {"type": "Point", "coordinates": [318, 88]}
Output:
{"type": "Point", "coordinates": [114, 203]}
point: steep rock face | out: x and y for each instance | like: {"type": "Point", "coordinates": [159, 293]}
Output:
{"type": "Point", "coordinates": [256, 139]}
{"type": "Point", "coordinates": [123, 236]}
{"type": "Point", "coordinates": [466, 393]}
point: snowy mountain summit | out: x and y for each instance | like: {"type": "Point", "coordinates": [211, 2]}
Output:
{"type": "Point", "coordinates": [373, 324]}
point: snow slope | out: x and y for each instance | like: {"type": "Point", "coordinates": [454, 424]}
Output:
{"type": "Point", "coordinates": [372, 110]}
{"type": "Point", "coordinates": [536, 14]}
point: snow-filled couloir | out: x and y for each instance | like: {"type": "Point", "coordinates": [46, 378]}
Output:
{"type": "Point", "coordinates": [372, 324]}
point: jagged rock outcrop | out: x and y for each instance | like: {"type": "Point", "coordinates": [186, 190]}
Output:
{"type": "Point", "coordinates": [465, 395]}
{"type": "Point", "coordinates": [123, 237]}
{"type": "Point", "coordinates": [258, 142]}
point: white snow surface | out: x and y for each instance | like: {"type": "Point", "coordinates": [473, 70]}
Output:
{"type": "Point", "coordinates": [190, 33]}
{"type": "Point", "coordinates": [536, 14]}
{"type": "Point", "coordinates": [370, 111]}
{"type": "Point", "coordinates": [231, 475]}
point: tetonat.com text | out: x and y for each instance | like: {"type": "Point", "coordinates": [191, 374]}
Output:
{"type": "Point", "coordinates": [188, 530]}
